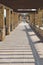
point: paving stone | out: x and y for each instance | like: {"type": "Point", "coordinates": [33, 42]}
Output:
{"type": "Point", "coordinates": [21, 47]}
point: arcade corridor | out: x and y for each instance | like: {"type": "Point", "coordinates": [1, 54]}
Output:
{"type": "Point", "coordinates": [21, 32]}
{"type": "Point", "coordinates": [21, 47]}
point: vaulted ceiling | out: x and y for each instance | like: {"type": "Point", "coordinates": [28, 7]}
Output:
{"type": "Point", "coordinates": [23, 4]}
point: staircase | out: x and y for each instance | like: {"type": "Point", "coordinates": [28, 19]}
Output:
{"type": "Point", "coordinates": [18, 56]}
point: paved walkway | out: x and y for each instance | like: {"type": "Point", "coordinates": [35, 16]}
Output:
{"type": "Point", "coordinates": [21, 47]}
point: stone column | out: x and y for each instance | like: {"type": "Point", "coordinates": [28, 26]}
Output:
{"type": "Point", "coordinates": [36, 18]}
{"type": "Point", "coordinates": [40, 12]}
{"type": "Point", "coordinates": [11, 20]}
{"type": "Point", "coordinates": [20, 18]}
{"type": "Point", "coordinates": [14, 22]}
{"type": "Point", "coordinates": [2, 25]}
{"type": "Point", "coordinates": [32, 19]}
{"type": "Point", "coordinates": [13, 16]}
{"type": "Point", "coordinates": [16, 19]}
{"type": "Point", "coordinates": [27, 18]}
{"type": "Point", "coordinates": [8, 21]}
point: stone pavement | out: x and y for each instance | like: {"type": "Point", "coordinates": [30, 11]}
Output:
{"type": "Point", "coordinates": [21, 47]}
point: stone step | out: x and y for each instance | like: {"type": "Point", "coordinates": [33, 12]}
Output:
{"type": "Point", "coordinates": [15, 53]}
{"type": "Point", "coordinates": [14, 50]}
{"type": "Point", "coordinates": [16, 56]}
{"type": "Point", "coordinates": [16, 60]}
{"type": "Point", "coordinates": [17, 47]}
{"type": "Point", "coordinates": [17, 63]}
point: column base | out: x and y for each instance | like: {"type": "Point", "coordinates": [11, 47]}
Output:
{"type": "Point", "coordinates": [8, 31]}
{"type": "Point", "coordinates": [2, 34]}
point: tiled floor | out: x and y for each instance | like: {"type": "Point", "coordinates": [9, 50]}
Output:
{"type": "Point", "coordinates": [21, 47]}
